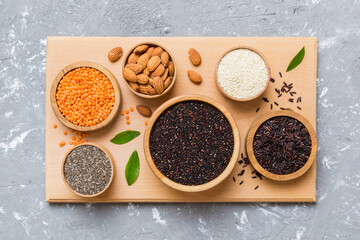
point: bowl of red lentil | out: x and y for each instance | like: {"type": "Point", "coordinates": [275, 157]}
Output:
{"type": "Point", "coordinates": [142, 82]}
{"type": "Point", "coordinates": [85, 96]}
{"type": "Point", "coordinates": [191, 143]}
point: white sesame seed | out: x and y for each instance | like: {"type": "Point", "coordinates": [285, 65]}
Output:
{"type": "Point", "coordinates": [242, 74]}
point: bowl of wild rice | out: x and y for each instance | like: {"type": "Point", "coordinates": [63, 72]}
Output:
{"type": "Point", "coordinates": [242, 74]}
{"type": "Point", "coordinates": [281, 145]}
{"type": "Point", "coordinates": [88, 170]}
{"type": "Point", "coordinates": [191, 143]}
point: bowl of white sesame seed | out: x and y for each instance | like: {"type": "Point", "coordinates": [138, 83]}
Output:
{"type": "Point", "coordinates": [242, 74]}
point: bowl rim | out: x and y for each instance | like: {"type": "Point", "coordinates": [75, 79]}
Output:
{"type": "Point", "coordinates": [114, 112]}
{"type": "Point", "coordinates": [217, 80]}
{"type": "Point", "coordinates": [151, 44]}
{"type": "Point", "coordinates": [112, 162]}
{"type": "Point", "coordinates": [233, 159]}
{"type": "Point", "coordinates": [250, 140]}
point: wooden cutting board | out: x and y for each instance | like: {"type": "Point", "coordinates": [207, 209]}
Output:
{"type": "Point", "coordinates": [62, 51]}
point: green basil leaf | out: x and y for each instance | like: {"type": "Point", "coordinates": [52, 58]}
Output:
{"type": "Point", "coordinates": [132, 168]}
{"type": "Point", "coordinates": [125, 137]}
{"type": "Point", "coordinates": [296, 60]}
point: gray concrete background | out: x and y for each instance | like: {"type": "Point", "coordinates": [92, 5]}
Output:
{"type": "Point", "coordinates": [24, 26]}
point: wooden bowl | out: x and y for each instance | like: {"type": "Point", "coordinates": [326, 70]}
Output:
{"type": "Point", "coordinates": [250, 140]}
{"type": "Point", "coordinates": [212, 183]}
{"type": "Point", "coordinates": [112, 169]}
{"type": "Point", "coordinates": [151, 44]}
{"type": "Point", "coordinates": [114, 112]}
{"type": "Point", "coordinates": [243, 99]}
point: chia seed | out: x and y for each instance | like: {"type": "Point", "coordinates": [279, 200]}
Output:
{"type": "Point", "coordinates": [87, 170]}
{"type": "Point", "coordinates": [191, 142]}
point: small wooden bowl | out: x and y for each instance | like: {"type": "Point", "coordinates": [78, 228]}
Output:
{"type": "Point", "coordinates": [212, 183]}
{"type": "Point", "coordinates": [244, 99]}
{"type": "Point", "coordinates": [151, 44]}
{"type": "Point", "coordinates": [112, 169]}
{"type": "Point", "coordinates": [250, 140]}
{"type": "Point", "coordinates": [114, 112]}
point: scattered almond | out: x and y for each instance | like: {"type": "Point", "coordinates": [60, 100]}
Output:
{"type": "Point", "coordinates": [133, 58]}
{"type": "Point", "coordinates": [142, 78]}
{"type": "Point", "coordinates": [171, 68]}
{"type": "Point", "coordinates": [140, 49]}
{"type": "Point", "coordinates": [194, 76]}
{"type": "Point", "coordinates": [136, 68]}
{"type": "Point", "coordinates": [158, 71]}
{"type": "Point", "coordinates": [195, 57]}
{"type": "Point", "coordinates": [129, 75]}
{"type": "Point", "coordinates": [165, 58]}
{"type": "Point", "coordinates": [115, 54]}
{"type": "Point", "coordinates": [144, 110]}
{"type": "Point", "coordinates": [157, 51]}
{"type": "Point", "coordinates": [158, 85]}
{"type": "Point", "coordinates": [153, 63]}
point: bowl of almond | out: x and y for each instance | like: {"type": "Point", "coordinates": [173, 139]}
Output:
{"type": "Point", "coordinates": [149, 70]}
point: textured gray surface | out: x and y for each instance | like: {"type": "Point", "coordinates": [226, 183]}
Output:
{"type": "Point", "coordinates": [24, 26]}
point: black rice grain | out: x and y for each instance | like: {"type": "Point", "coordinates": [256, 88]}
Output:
{"type": "Point", "coordinates": [191, 142]}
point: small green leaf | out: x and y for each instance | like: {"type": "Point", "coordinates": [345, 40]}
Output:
{"type": "Point", "coordinates": [125, 137]}
{"type": "Point", "coordinates": [296, 60]}
{"type": "Point", "coordinates": [132, 168]}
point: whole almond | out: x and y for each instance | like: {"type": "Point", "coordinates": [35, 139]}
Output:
{"type": "Point", "coordinates": [133, 58]}
{"type": "Point", "coordinates": [140, 49]}
{"type": "Point", "coordinates": [134, 86]}
{"type": "Point", "coordinates": [195, 57]}
{"type": "Point", "coordinates": [157, 51]}
{"type": "Point", "coordinates": [146, 72]}
{"type": "Point", "coordinates": [158, 71]}
{"type": "Point", "coordinates": [194, 76]}
{"type": "Point", "coordinates": [150, 50]}
{"type": "Point", "coordinates": [144, 110]}
{"type": "Point", "coordinates": [165, 58]}
{"type": "Point", "coordinates": [142, 78]}
{"type": "Point", "coordinates": [151, 90]}
{"type": "Point", "coordinates": [129, 75]}
{"type": "Point", "coordinates": [171, 68]}
{"type": "Point", "coordinates": [165, 74]}
{"type": "Point", "coordinates": [143, 60]}
{"type": "Point", "coordinates": [167, 82]}
{"type": "Point", "coordinates": [151, 81]}
{"type": "Point", "coordinates": [158, 85]}
{"type": "Point", "coordinates": [136, 68]}
{"type": "Point", "coordinates": [115, 54]}
{"type": "Point", "coordinates": [153, 63]}
{"type": "Point", "coordinates": [143, 89]}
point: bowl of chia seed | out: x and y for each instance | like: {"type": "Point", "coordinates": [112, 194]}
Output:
{"type": "Point", "coordinates": [88, 170]}
{"type": "Point", "coordinates": [281, 145]}
{"type": "Point", "coordinates": [191, 143]}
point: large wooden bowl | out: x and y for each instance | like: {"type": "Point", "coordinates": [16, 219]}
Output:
{"type": "Point", "coordinates": [212, 183]}
{"type": "Point", "coordinates": [250, 141]}
{"type": "Point", "coordinates": [114, 112]}
{"type": "Point", "coordinates": [151, 44]}
{"type": "Point", "coordinates": [112, 169]}
{"type": "Point", "coordinates": [244, 99]}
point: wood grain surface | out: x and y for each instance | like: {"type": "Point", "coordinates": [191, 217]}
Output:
{"type": "Point", "coordinates": [62, 51]}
